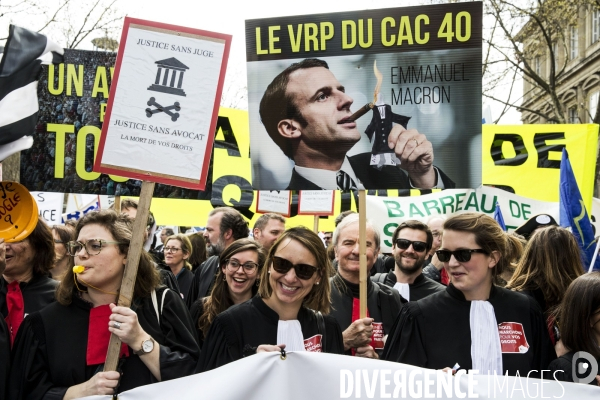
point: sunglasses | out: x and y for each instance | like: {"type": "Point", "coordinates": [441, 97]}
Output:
{"type": "Point", "coordinates": [462, 255]}
{"type": "Point", "coordinates": [405, 244]}
{"type": "Point", "coordinates": [303, 271]}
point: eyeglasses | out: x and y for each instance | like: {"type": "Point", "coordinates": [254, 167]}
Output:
{"type": "Point", "coordinates": [303, 271]}
{"type": "Point", "coordinates": [234, 265]}
{"type": "Point", "coordinates": [462, 255]}
{"type": "Point", "coordinates": [171, 249]}
{"type": "Point", "coordinates": [92, 246]}
{"type": "Point", "coordinates": [405, 244]}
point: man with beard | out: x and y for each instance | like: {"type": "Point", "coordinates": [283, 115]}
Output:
{"type": "Point", "coordinates": [412, 241]}
{"type": "Point", "coordinates": [224, 226]}
{"type": "Point", "coordinates": [362, 337]}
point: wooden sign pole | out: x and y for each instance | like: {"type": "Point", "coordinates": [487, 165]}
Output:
{"type": "Point", "coordinates": [362, 248]}
{"type": "Point", "coordinates": [117, 205]}
{"type": "Point", "coordinates": [130, 273]}
{"type": "Point", "coordinates": [316, 224]}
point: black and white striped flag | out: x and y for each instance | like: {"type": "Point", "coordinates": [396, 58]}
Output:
{"type": "Point", "coordinates": [22, 58]}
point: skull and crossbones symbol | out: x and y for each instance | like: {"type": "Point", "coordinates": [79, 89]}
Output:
{"type": "Point", "coordinates": [159, 109]}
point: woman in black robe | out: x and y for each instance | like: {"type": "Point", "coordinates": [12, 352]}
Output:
{"type": "Point", "coordinates": [579, 321]}
{"type": "Point", "coordinates": [236, 282]}
{"type": "Point", "coordinates": [177, 251]}
{"type": "Point", "coordinates": [473, 324]}
{"type": "Point", "coordinates": [60, 351]}
{"type": "Point", "coordinates": [286, 313]}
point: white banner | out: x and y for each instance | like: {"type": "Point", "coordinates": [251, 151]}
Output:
{"type": "Point", "coordinates": [386, 213]}
{"type": "Point", "coordinates": [277, 201]}
{"type": "Point", "coordinates": [317, 202]}
{"type": "Point", "coordinates": [319, 376]}
{"type": "Point", "coordinates": [50, 206]}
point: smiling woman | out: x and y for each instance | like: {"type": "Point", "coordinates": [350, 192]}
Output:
{"type": "Point", "coordinates": [72, 334]}
{"type": "Point", "coordinates": [236, 282]}
{"type": "Point", "coordinates": [293, 283]}
{"type": "Point", "coordinates": [492, 329]}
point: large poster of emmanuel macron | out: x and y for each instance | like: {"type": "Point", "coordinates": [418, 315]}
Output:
{"type": "Point", "coordinates": [374, 99]}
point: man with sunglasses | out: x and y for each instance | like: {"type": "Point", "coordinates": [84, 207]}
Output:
{"type": "Point", "coordinates": [362, 337]}
{"type": "Point", "coordinates": [412, 241]}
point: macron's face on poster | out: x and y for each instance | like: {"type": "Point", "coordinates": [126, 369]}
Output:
{"type": "Point", "coordinates": [324, 106]}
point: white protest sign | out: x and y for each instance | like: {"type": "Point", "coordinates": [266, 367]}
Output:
{"type": "Point", "coordinates": [316, 202]}
{"type": "Point", "coordinates": [386, 213]}
{"type": "Point", "coordinates": [80, 204]}
{"type": "Point", "coordinates": [50, 206]}
{"type": "Point", "coordinates": [277, 201]}
{"type": "Point", "coordinates": [163, 104]}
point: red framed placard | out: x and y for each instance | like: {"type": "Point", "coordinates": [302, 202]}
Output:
{"type": "Point", "coordinates": [316, 202]}
{"type": "Point", "coordinates": [274, 201]}
{"type": "Point", "coordinates": [164, 102]}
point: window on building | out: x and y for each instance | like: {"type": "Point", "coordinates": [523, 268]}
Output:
{"type": "Point", "coordinates": [595, 26]}
{"type": "Point", "coordinates": [593, 104]}
{"type": "Point", "coordinates": [537, 65]}
{"type": "Point", "coordinates": [574, 42]}
{"type": "Point", "coordinates": [573, 118]}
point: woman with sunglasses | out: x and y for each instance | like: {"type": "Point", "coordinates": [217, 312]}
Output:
{"type": "Point", "coordinates": [579, 322]}
{"type": "Point", "coordinates": [177, 251]}
{"type": "Point", "coordinates": [286, 313]}
{"type": "Point", "coordinates": [60, 350]}
{"type": "Point", "coordinates": [473, 324]}
{"type": "Point", "coordinates": [236, 282]}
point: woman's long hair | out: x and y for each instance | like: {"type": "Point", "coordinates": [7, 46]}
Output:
{"type": "Point", "coordinates": [581, 301]}
{"type": "Point", "coordinates": [120, 227]}
{"type": "Point", "coordinates": [551, 261]}
{"type": "Point", "coordinates": [220, 297]}
{"type": "Point", "coordinates": [319, 298]}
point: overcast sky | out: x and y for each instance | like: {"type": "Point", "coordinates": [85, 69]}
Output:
{"type": "Point", "coordinates": [228, 16]}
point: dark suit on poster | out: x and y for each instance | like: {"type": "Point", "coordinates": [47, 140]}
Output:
{"type": "Point", "coordinates": [380, 128]}
{"type": "Point", "coordinates": [389, 177]}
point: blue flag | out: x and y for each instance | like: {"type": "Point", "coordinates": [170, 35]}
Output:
{"type": "Point", "coordinates": [573, 214]}
{"type": "Point", "coordinates": [498, 217]}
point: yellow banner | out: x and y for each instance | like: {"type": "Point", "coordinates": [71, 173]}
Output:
{"type": "Point", "coordinates": [526, 158]}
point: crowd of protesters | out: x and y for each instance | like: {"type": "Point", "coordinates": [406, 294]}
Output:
{"type": "Point", "coordinates": [442, 299]}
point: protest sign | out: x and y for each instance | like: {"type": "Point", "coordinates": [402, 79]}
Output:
{"type": "Point", "coordinates": [277, 201]}
{"type": "Point", "coordinates": [525, 159]}
{"type": "Point", "coordinates": [422, 61]}
{"type": "Point", "coordinates": [50, 206]}
{"type": "Point", "coordinates": [387, 213]}
{"type": "Point", "coordinates": [316, 202]}
{"type": "Point", "coordinates": [164, 103]}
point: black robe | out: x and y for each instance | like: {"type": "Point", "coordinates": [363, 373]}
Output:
{"type": "Point", "coordinates": [383, 303]}
{"type": "Point", "coordinates": [253, 323]}
{"type": "Point", "coordinates": [419, 289]}
{"type": "Point", "coordinates": [435, 332]}
{"type": "Point", "coordinates": [49, 354]}
{"type": "Point", "coordinates": [562, 368]}
{"type": "Point", "coordinates": [196, 311]}
{"type": "Point", "coordinates": [37, 294]}
{"type": "Point", "coordinates": [4, 358]}
{"type": "Point", "coordinates": [203, 281]}
{"type": "Point", "coordinates": [184, 280]}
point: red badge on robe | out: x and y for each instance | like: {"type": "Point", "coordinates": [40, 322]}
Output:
{"type": "Point", "coordinates": [99, 336]}
{"type": "Point", "coordinates": [512, 338]}
{"type": "Point", "coordinates": [16, 309]}
{"type": "Point", "coordinates": [313, 344]}
{"type": "Point", "coordinates": [377, 337]}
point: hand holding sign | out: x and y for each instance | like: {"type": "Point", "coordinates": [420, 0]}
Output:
{"type": "Point", "coordinates": [415, 153]}
{"type": "Point", "coordinates": [18, 212]}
